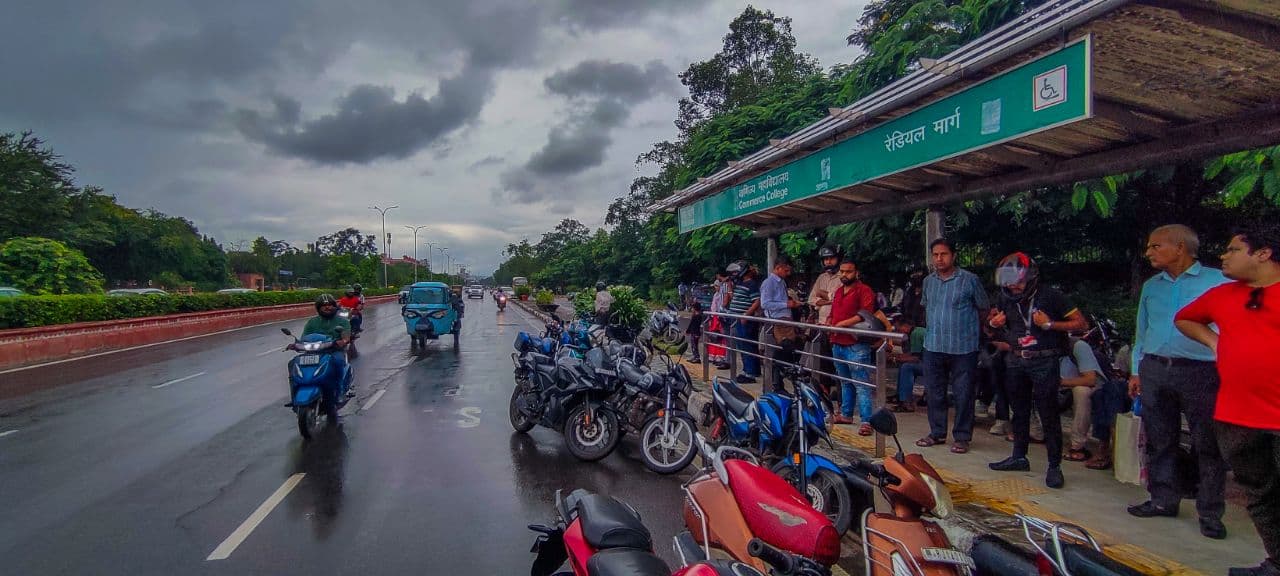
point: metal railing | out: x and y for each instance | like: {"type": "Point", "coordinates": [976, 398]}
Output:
{"type": "Point", "coordinates": [877, 373]}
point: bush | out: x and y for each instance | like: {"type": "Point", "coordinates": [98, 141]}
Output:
{"type": "Point", "coordinates": [44, 266]}
{"type": "Point", "coordinates": [628, 309]}
{"type": "Point", "coordinates": [584, 305]}
{"type": "Point", "coordinates": [523, 290]}
{"type": "Point", "coordinates": [544, 297]}
{"type": "Point", "coordinates": [32, 311]}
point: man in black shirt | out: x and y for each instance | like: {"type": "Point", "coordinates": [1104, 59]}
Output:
{"type": "Point", "coordinates": [1035, 321]}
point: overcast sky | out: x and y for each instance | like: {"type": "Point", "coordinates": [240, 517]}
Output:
{"type": "Point", "coordinates": [487, 121]}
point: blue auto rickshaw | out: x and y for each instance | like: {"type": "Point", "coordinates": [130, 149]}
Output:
{"type": "Point", "coordinates": [431, 312]}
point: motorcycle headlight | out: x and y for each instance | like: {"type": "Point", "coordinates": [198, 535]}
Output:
{"type": "Point", "coordinates": [942, 505]}
{"type": "Point", "coordinates": [410, 314]}
{"type": "Point", "coordinates": [439, 314]}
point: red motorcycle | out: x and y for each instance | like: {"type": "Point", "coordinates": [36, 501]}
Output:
{"type": "Point", "coordinates": [601, 536]}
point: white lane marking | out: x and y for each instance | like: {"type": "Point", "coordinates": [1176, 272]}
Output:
{"type": "Point", "coordinates": [224, 550]}
{"type": "Point", "coordinates": [265, 352]}
{"type": "Point", "coordinates": [472, 415]}
{"type": "Point", "coordinates": [7, 432]}
{"type": "Point", "coordinates": [182, 379]}
{"type": "Point", "coordinates": [376, 396]}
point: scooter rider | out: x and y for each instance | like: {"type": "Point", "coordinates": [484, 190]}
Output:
{"type": "Point", "coordinates": [359, 293]}
{"type": "Point", "coordinates": [353, 302]}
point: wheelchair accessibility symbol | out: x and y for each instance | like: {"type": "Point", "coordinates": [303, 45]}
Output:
{"type": "Point", "coordinates": [1049, 88]}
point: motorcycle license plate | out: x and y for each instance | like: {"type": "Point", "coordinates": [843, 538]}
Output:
{"type": "Point", "coordinates": [946, 556]}
{"type": "Point", "coordinates": [309, 360]}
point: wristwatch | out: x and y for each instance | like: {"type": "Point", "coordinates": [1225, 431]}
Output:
{"type": "Point", "coordinates": [1047, 326]}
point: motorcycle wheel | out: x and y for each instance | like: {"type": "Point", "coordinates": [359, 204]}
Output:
{"type": "Point", "coordinates": [519, 421]}
{"type": "Point", "coordinates": [671, 450]}
{"type": "Point", "coordinates": [309, 421]}
{"type": "Point", "coordinates": [826, 492]}
{"type": "Point", "coordinates": [591, 441]}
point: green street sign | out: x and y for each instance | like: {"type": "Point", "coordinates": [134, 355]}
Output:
{"type": "Point", "coordinates": [1042, 94]}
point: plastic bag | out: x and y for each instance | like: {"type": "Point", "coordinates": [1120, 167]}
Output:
{"type": "Point", "coordinates": [1130, 456]}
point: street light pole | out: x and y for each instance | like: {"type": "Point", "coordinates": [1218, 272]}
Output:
{"type": "Point", "coordinates": [444, 251]}
{"type": "Point", "coordinates": [430, 248]}
{"type": "Point", "coordinates": [386, 248]}
{"type": "Point", "coordinates": [415, 249]}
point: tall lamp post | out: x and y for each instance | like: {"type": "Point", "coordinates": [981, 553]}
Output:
{"type": "Point", "coordinates": [415, 249]}
{"type": "Point", "coordinates": [430, 248]}
{"type": "Point", "coordinates": [385, 247]}
{"type": "Point", "coordinates": [444, 251]}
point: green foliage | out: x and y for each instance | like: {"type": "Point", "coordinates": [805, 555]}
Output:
{"type": "Point", "coordinates": [544, 297]}
{"type": "Point", "coordinates": [44, 266]}
{"type": "Point", "coordinates": [523, 290]}
{"type": "Point", "coordinates": [341, 271]}
{"type": "Point", "coordinates": [31, 311]}
{"type": "Point", "coordinates": [628, 309]}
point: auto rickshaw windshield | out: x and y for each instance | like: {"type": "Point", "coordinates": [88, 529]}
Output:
{"type": "Point", "coordinates": [428, 296]}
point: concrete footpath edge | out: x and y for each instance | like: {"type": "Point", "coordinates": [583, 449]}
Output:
{"type": "Point", "coordinates": [30, 346]}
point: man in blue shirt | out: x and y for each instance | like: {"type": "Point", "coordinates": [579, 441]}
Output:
{"type": "Point", "coordinates": [954, 302]}
{"type": "Point", "coordinates": [775, 303]}
{"type": "Point", "coordinates": [1175, 375]}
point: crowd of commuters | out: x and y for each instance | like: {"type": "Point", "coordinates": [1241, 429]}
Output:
{"type": "Point", "coordinates": [1025, 353]}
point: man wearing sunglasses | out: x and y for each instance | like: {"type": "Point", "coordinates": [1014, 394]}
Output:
{"type": "Point", "coordinates": [1247, 315]}
{"type": "Point", "coordinates": [1175, 375]}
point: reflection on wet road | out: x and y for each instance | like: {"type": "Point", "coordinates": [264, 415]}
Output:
{"type": "Point", "coordinates": [112, 473]}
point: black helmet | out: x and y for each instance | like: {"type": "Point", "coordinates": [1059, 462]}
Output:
{"type": "Point", "coordinates": [600, 286]}
{"type": "Point", "coordinates": [326, 300]}
{"type": "Point", "coordinates": [828, 252]}
{"type": "Point", "coordinates": [1017, 268]}
{"type": "Point", "coordinates": [357, 287]}
{"type": "Point", "coordinates": [351, 291]}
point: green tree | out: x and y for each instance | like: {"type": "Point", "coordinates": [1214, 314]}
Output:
{"type": "Point", "coordinates": [44, 266]}
{"type": "Point", "coordinates": [341, 271]}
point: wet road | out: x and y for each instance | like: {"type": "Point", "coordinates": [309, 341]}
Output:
{"type": "Point", "coordinates": [155, 460]}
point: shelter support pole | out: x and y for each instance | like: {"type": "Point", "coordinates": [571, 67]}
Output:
{"type": "Point", "coordinates": [772, 255]}
{"type": "Point", "coordinates": [882, 381]}
{"type": "Point", "coordinates": [933, 226]}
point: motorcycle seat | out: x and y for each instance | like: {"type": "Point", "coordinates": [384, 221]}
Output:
{"type": "Point", "coordinates": [541, 359]}
{"type": "Point", "coordinates": [630, 373]}
{"type": "Point", "coordinates": [1083, 560]}
{"type": "Point", "coordinates": [626, 562]}
{"type": "Point", "coordinates": [776, 512]}
{"type": "Point", "coordinates": [736, 400]}
{"type": "Point", "coordinates": [608, 523]}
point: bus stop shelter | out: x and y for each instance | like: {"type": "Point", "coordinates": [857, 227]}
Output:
{"type": "Point", "coordinates": [1073, 90]}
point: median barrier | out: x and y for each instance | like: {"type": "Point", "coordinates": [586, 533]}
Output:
{"type": "Point", "coordinates": [27, 346]}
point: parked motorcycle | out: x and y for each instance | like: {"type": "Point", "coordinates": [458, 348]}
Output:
{"type": "Point", "coordinates": [567, 394]}
{"type": "Point", "coordinates": [599, 534]}
{"type": "Point", "coordinates": [902, 542]}
{"type": "Point", "coordinates": [655, 403]}
{"type": "Point", "coordinates": [1061, 549]}
{"type": "Point", "coordinates": [741, 508]}
{"type": "Point", "coordinates": [770, 428]}
{"type": "Point", "coordinates": [317, 385]}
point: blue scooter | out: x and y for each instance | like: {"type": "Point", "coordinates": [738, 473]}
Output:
{"type": "Point", "coordinates": [318, 382]}
{"type": "Point", "coordinates": [768, 426]}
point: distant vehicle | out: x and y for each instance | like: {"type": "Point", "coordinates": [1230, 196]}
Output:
{"type": "Point", "coordinates": [519, 281]}
{"type": "Point", "coordinates": [237, 291]}
{"type": "Point", "coordinates": [507, 289]}
{"type": "Point", "coordinates": [475, 291]}
{"type": "Point", "coordinates": [10, 292]}
{"type": "Point", "coordinates": [137, 292]}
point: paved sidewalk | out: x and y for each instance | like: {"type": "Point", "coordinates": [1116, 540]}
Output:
{"type": "Point", "coordinates": [985, 501]}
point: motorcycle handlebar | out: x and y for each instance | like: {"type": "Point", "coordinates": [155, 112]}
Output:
{"type": "Point", "coordinates": [780, 560]}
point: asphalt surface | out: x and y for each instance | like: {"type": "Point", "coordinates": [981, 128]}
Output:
{"type": "Point", "coordinates": [153, 461]}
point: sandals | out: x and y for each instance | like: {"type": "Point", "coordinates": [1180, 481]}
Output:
{"type": "Point", "coordinates": [865, 430]}
{"type": "Point", "coordinates": [929, 441]}
{"type": "Point", "coordinates": [1080, 455]}
{"type": "Point", "coordinates": [960, 447]}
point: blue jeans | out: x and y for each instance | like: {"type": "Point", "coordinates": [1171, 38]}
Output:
{"type": "Point", "coordinates": [749, 331]}
{"type": "Point", "coordinates": [957, 371]}
{"type": "Point", "coordinates": [860, 353]}
{"type": "Point", "coordinates": [907, 381]}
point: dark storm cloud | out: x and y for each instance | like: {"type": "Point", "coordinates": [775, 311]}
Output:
{"type": "Point", "coordinates": [369, 123]}
{"type": "Point", "coordinates": [594, 13]}
{"type": "Point", "coordinates": [619, 80]}
{"type": "Point", "coordinates": [581, 143]}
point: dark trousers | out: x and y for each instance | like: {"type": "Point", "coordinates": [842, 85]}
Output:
{"type": "Point", "coordinates": [1167, 393]}
{"type": "Point", "coordinates": [695, 341]}
{"type": "Point", "coordinates": [1034, 382]}
{"type": "Point", "coordinates": [1109, 399]}
{"type": "Point", "coordinates": [991, 380]}
{"type": "Point", "coordinates": [750, 332]}
{"type": "Point", "coordinates": [957, 371]}
{"type": "Point", "coordinates": [1254, 456]}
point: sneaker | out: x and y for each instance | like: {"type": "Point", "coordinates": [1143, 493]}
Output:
{"type": "Point", "coordinates": [1213, 528]}
{"type": "Point", "coordinates": [744, 379]}
{"type": "Point", "coordinates": [1053, 477]}
{"type": "Point", "coordinates": [1000, 428]}
{"type": "Point", "coordinates": [1011, 464]}
{"type": "Point", "coordinates": [695, 361]}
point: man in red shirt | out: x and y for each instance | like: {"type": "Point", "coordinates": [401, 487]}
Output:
{"type": "Point", "coordinates": [850, 299]}
{"type": "Point", "coordinates": [352, 302]}
{"type": "Point", "coordinates": [1247, 314]}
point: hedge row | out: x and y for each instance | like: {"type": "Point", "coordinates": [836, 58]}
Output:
{"type": "Point", "coordinates": [32, 311]}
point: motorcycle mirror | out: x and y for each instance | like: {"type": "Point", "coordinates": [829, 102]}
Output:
{"type": "Point", "coordinates": [286, 332]}
{"type": "Point", "coordinates": [884, 422]}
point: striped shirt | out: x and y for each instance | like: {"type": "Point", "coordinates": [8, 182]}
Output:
{"type": "Point", "coordinates": [744, 294]}
{"type": "Point", "coordinates": [951, 312]}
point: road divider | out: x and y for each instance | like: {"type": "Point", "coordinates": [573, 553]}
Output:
{"type": "Point", "coordinates": [224, 550]}
{"type": "Point", "coordinates": [29, 347]}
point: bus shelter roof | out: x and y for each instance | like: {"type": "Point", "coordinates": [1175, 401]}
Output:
{"type": "Point", "coordinates": [1073, 90]}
